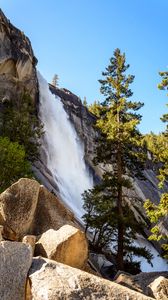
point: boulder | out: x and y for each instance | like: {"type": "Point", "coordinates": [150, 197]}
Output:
{"type": "Point", "coordinates": [141, 282]}
{"type": "Point", "coordinates": [50, 213]}
{"type": "Point", "coordinates": [15, 261]}
{"type": "Point", "coordinates": [54, 281]}
{"type": "Point", "coordinates": [67, 245]}
{"type": "Point", "coordinates": [159, 288]}
{"type": "Point", "coordinates": [127, 280]}
{"type": "Point", "coordinates": [17, 208]}
{"type": "Point", "coordinates": [26, 208]}
{"type": "Point", "coordinates": [30, 240]}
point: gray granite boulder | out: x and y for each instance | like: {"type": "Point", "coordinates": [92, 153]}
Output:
{"type": "Point", "coordinates": [54, 281]}
{"type": "Point", "coordinates": [17, 208]}
{"type": "Point", "coordinates": [15, 261]}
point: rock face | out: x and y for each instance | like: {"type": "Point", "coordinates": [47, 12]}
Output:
{"type": "Point", "coordinates": [50, 213]}
{"type": "Point", "coordinates": [147, 283]}
{"type": "Point", "coordinates": [17, 63]}
{"type": "Point", "coordinates": [17, 208]}
{"type": "Point", "coordinates": [15, 261]}
{"type": "Point", "coordinates": [79, 115]}
{"type": "Point", "coordinates": [67, 245]}
{"type": "Point", "coordinates": [54, 281]}
{"type": "Point", "coordinates": [28, 208]}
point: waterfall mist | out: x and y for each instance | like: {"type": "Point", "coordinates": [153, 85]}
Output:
{"type": "Point", "coordinates": [63, 149]}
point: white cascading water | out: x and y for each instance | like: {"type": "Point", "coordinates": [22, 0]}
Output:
{"type": "Point", "coordinates": [65, 153]}
{"type": "Point", "coordinates": [65, 160]}
{"type": "Point", "coordinates": [159, 264]}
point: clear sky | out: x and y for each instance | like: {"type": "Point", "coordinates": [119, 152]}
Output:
{"type": "Point", "coordinates": [76, 38]}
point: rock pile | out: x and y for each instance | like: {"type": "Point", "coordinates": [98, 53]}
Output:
{"type": "Point", "coordinates": [37, 223]}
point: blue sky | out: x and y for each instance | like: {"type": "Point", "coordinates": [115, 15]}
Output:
{"type": "Point", "coordinates": [76, 38]}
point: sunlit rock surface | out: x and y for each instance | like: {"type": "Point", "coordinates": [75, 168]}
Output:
{"type": "Point", "coordinates": [17, 208]}
{"type": "Point", "coordinates": [28, 208]}
{"type": "Point", "coordinates": [68, 245]}
{"type": "Point", "coordinates": [55, 281]}
{"type": "Point", "coordinates": [17, 63]}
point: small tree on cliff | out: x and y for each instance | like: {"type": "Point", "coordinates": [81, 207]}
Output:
{"type": "Point", "coordinates": [95, 108]}
{"type": "Point", "coordinates": [85, 102]}
{"type": "Point", "coordinates": [55, 80]}
{"type": "Point", "coordinates": [119, 145]}
{"type": "Point", "coordinates": [157, 213]}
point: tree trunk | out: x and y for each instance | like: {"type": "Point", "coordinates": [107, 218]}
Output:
{"type": "Point", "coordinates": [120, 246]}
{"type": "Point", "coordinates": [120, 242]}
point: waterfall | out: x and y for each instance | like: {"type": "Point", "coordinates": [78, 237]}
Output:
{"type": "Point", "coordinates": [65, 160]}
{"type": "Point", "coordinates": [159, 264]}
{"type": "Point", "coordinates": [63, 149]}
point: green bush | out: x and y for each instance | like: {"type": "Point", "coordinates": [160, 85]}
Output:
{"type": "Point", "coordinates": [13, 164]}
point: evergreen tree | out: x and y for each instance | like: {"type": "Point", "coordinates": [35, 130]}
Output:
{"type": "Point", "coordinates": [95, 108]}
{"type": "Point", "coordinates": [85, 102]}
{"type": "Point", "coordinates": [158, 213]}
{"type": "Point", "coordinates": [55, 80]}
{"type": "Point", "coordinates": [118, 146]}
{"type": "Point", "coordinates": [20, 124]}
{"type": "Point", "coordinates": [13, 163]}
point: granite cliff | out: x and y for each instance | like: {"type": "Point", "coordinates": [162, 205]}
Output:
{"type": "Point", "coordinates": [17, 63]}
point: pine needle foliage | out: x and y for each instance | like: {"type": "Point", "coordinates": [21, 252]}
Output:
{"type": "Point", "coordinates": [13, 163]}
{"type": "Point", "coordinates": [118, 146]}
{"type": "Point", "coordinates": [21, 124]}
{"type": "Point", "coordinates": [159, 213]}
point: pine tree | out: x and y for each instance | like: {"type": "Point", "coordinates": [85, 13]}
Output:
{"type": "Point", "coordinates": [20, 124]}
{"type": "Point", "coordinates": [95, 108]}
{"type": "Point", "coordinates": [13, 163]}
{"type": "Point", "coordinates": [55, 80]}
{"type": "Point", "coordinates": [118, 146]}
{"type": "Point", "coordinates": [157, 213]}
{"type": "Point", "coordinates": [85, 102]}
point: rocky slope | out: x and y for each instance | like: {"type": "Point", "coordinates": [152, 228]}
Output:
{"type": "Point", "coordinates": [60, 270]}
